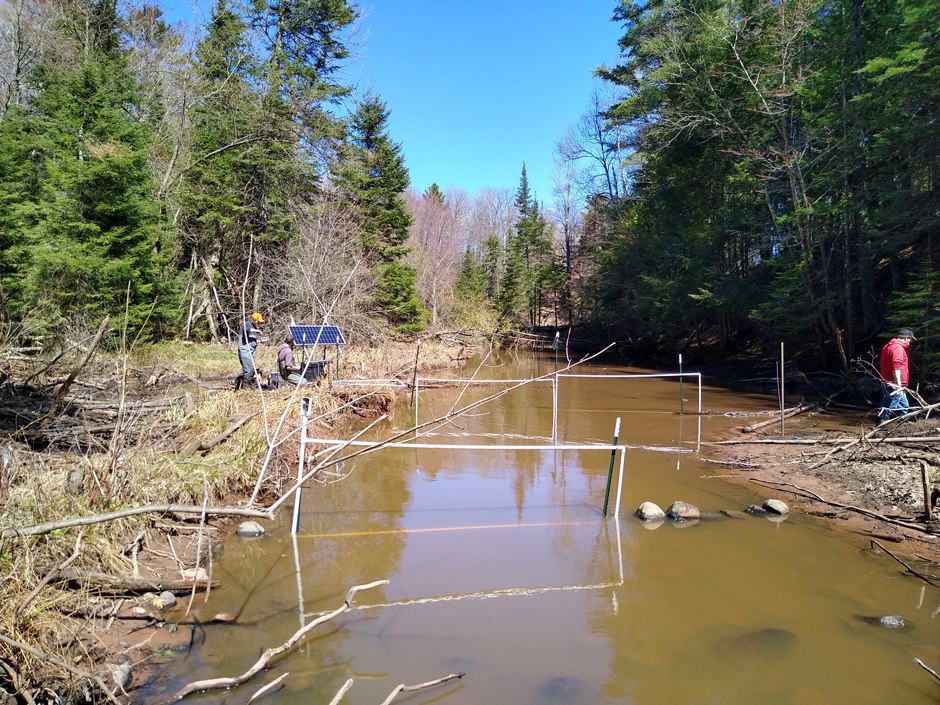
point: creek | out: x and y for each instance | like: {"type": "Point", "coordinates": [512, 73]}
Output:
{"type": "Point", "coordinates": [502, 566]}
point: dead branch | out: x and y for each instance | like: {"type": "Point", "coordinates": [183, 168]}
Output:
{"type": "Point", "coordinates": [115, 584]}
{"type": "Point", "coordinates": [866, 512]}
{"type": "Point", "coordinates": [341, 692]}
{"type": "Point", "coordinates": [38, 529]}
{"type": "Point", "coordinates": [819, 441]}
{"type": "Point", "coordinates": [64, 389]}
{"type": "Point", "coordinates": [261, 691]}
{"type": "Point", "coordinates": [440, 421]}
{"type": "Point", "coordinates": [199, 446]}
{"type": "Point", "coordinates": [62, 664]}
{"type": "Point", "coordinates": [269, 654]}
{"type": "Point", "coordinates": [799, 409]}
{"type": "Point", "coordinates": [51, 575]}
{"type": "Point", "coordinates": [927, 668]}
{"type": "Point", "coordinates": [420, 686]}
{"type": "Point", "coordinates": [910, 570]}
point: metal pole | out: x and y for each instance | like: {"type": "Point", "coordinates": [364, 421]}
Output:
{"type": "Point", "coordinates": [783, 381]}
{"type": "Point", "coordinates": [681, 400]}
{"type": "Point", "coordinates": [610, 471]}
{"type": "Point", "coordinates": [623, 452]}
{"type": "Point", "coordinates": [555, 345]}
{"type": "Point", "coordinates": [304, 411]}
{"type": "Point", "coordinates": [415, 378]}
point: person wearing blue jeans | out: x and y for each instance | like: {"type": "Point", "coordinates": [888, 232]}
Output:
{"type": "Point", "coordinates": [247, 343]}
{"type": "Point", "coordinates": [895, 375]}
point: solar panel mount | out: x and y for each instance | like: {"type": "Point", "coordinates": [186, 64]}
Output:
{"type": "Point", "coordinates": [317, 335]}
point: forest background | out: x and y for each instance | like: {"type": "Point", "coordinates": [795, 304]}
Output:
{"type": "Point", "coordinates": [749, 173]}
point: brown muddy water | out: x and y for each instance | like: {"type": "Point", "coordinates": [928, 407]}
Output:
{"type": "Point", "coordinates": [501, 566]}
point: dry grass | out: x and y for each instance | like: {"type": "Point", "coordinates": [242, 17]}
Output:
{"type": "Point", "coordinates": [146, 466]}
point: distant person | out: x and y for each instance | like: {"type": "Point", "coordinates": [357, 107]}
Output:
{"type": "Point", "coordinates": [895, 375]}
{"type": "Point", "coordinates": [289, 369]}
{"type": "Point", "coordinates": [248, 336]}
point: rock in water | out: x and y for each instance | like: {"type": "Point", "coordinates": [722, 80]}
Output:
{"type": "Point", "coordinates": [249, 530]}
{"type": "Point", "coordinates": [732, 514]}
{"type": "Point", "coordinates": [168, 599]}
{"type": "Point", "coordinates": [764, 643]}
{"type": "Point", "coordinates": [890, 621]}
{"type": "Point", "coordinates": [682, 511]}
{"type": "Point", "coordinates": [563, 689]}
{"type": "Point", "coordinates": [775, 506]}
{"type": "Point", "coordinates": [756, 511]}
{"type": "Point", "coordinates": [649, 512]}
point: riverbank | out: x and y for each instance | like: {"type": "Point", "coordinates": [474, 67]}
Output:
{"type": "Point", "coordinates": [162, 436]}
{"type": "Point", "coordinates": [870, 483]}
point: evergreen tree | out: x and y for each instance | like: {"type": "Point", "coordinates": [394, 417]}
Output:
{"type": "Point", "coordinates": [375, 177]}
{"type": "Point", "coordinates": [87, 235]}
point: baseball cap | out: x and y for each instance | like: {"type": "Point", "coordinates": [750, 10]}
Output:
{"type": "Point", "coordinates": [906, 333]}
{"type": "Point", "coordinates": [257, 317]}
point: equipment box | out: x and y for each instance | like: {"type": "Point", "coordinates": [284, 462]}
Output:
{"type": "Point", "coordinates": [314, 369]}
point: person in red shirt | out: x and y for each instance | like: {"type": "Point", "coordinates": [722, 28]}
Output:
{"type": "Point", "coordinates": [895, 375]}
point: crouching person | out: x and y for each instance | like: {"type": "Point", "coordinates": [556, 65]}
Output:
{"type": "Point", "coordinates": [289, 369]}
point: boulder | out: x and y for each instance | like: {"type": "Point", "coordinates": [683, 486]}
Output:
{"type": "Point", "coordinates": [249, 530]}
{"type": "Point", "coordinates": [682, 511]}
{"type": "Point", "coordinates": [649, 512]}
{"type": "Point", "coordinates": [775, 506]}
{"type": "Point", "coordinates": [168, 599]}
{"type": "Point", "coordinates": [195, 574]}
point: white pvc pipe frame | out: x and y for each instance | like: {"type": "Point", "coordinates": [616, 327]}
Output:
{"type": "Point", "coordinates": [554, 380]}
{"type": "Point", "coordinates": [447, 446]}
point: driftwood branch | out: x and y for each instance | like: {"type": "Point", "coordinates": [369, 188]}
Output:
{"type": "Point", "coordinates": [799, 409]}
{"type": "Point", "coordinates": [51, 575]}
{"type": "Point", "coordinates": [270, 686]}
{"type": "Point", "coordinates": [38, 529]}
{"type": "Point", "coordinates": [62, 664]}
{"type": "Point", "coordinates": [910, 570]}
{"type": "Point", "coordinates": [928, 440]}
{"type": "Point", "coordinates": [420, 686]}
{"type": "Point", "coordinates": [64, 389]}
{"type": "Point", "coordinates": [831, 503]}
{"type": "Point", "coordinates": [927, 668]}
{"type": "Point", "coordinates": [199, 446]}
{"type": "Point", "coordinates": [115, 584]}
{"type": "Point", "coordinates": [269, 654]}
{"type": "Point", "coordinates": [341, 692]}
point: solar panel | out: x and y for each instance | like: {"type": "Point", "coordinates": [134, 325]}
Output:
{"type": "Point", "coordinates": [317, 335]}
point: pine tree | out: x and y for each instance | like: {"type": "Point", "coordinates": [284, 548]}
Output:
{"type": "Point", "coordinates": [88, 237]}
{"type": "Point", "coordinates": [375, 177]}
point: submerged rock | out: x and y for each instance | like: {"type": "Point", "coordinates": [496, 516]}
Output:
{"type": "Point", "coordinates": [683, 511]}
{"type": "Point", "coordinates": [249, 530]}
{"type": "Point", "coordinates": [732, 514]}
{"type": "Point", "coordinates": [756, 511]}
{"type": "Point", "coordinates": [889, 621]}
{"type": "Point", "coordinates": [775, 506]}
{"type": "Point", "coordinates": [653, 525]}
{"type": "Point", "coordinates": [711, 515]}
{"type": "Point", "coordinates": [563, 689]}
{"type": "Point", "coordinates": [764, 643]}
{"type": "Point", "coordinates": [649, 512]}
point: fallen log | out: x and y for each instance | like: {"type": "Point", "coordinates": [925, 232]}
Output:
{"type": "Point", "coordinates": [39, 529]}
{"type": "Point", "coordinates": [787, 414]}
{"type": "Point", "coordinates": [116, 585]}
{"type": "Point", "coordinates": [200, 446]}
{"type": "Point", "coordinates": [819, 441]}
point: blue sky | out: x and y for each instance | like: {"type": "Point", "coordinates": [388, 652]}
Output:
{"type": "Point", "coordinates": [477, 88]}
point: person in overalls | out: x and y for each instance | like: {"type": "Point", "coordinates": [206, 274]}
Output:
{"type": "Point", "coordinates": [289, 369]}
{"type": "Point", "coordinates": [247, 343]}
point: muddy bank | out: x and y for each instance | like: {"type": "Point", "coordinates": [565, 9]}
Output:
{"type": "Point", "coordinates": [870, 483]}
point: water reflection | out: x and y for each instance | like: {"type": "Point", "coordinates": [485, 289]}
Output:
{"type": "Point", "coordinates": [501, 566]}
